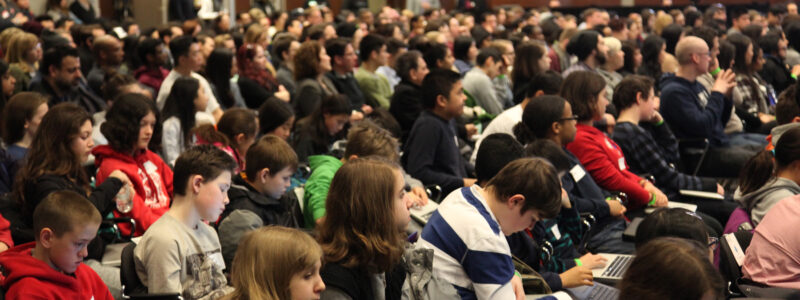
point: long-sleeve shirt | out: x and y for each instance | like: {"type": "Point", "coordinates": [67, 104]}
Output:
{"type": "Point", "coordinates": [682, 108]}
{"type": "Point", "coordinates": [481, 88]}
{"type": "Point", "coordinates": [406, 106]}
{"type": "Point", "coordinates": [648, 154]}
{"type": "Point", "coordinates": [431, 152]}
{"type": "Point", "coordinates": [605, 161]}
{"type": "Point", "coordinates": [773, 257]}
{"type": "Point", "coordinates": [375, 86]}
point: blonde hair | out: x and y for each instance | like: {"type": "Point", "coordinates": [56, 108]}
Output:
{"type": "Point", "coordinates": [254, 33]}
{"type": "Point", "coordinates": [18, 47]}
{"type": "Point", "coordinates": [662, 21]}
{"type": "Point", "coordinates": [7, 34]}
{"type": "Point", "coordinates": [267, 259]}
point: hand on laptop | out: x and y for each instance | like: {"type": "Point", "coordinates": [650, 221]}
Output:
{"type": "Point", "coordinates": [592, 261]}
{"type": "Point", "coordinates": [577, 276]}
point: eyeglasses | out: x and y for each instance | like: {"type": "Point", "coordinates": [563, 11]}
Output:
{"type": "Point", "coordinates": [572, 118]}
{"type": "Point", "coordinates": [713, 242]}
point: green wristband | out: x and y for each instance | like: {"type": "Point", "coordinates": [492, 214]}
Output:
{"type": "Point", "coordinates": [716, 71]}
{"type": "Point", "coordinates": [794, 77]}
{"type": "Point", "coordinates": [652, 201]}
{"type": "Point", "coordinates": [659, 123]}
{"type": "Point", "coordinates": [516, 273]}
{"type": "Point", "coordinates": [578, 262]}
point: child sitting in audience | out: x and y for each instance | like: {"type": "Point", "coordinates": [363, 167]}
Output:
{"type": "Point", "coordinates": [180, 253]}
{"type": "Point", "coordinates": [276, 117]}
{"type": "Point", "coordinates": [468, 230]}
{"type": "Point", "coordinates": [364, 140]}
{"type": "Point", "coordinates": [62, 146]}
{"type": "Point", "coordinates": [363, 233]}
{"type": "Point", "coordinates": [21, 118]}
{"type": "Point", "coordinates": [601, 156]}
{"type": "Point", "coordinates": [277, 263]}
{"type": "Point", "coordinates": [131, 124]}
{"type": "Point", "coordinates": [52, 267]}
{"type": "Point", "coordinates": [670, 268]}
{"type": "Point", "coordinates": [186, 101]}
{"type": "Point", "coordinates": [431, 152]}
{"type": "Point", "coordinates": [316, 133]}
{"type": "Point", "coordinates": [770, 176]}
{"type": "Point", "coordinates": [675, 222]}
{"type": "Point", "coordinates": [256, 192]}
{"type": "Point", "coordinates": [234, 133]}
{"type": "Point", "coordinates": [501, 149]}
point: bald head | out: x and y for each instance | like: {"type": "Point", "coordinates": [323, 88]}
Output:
{"type": "Point", "coordinates": [687, 46]}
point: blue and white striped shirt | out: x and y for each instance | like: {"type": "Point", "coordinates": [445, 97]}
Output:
{"type": "Point", "coordinates": [470, 250]}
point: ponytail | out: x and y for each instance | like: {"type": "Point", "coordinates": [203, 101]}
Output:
{"type": "Point", "coordinates": [207, 133]}
{"type": "Point", "coordinates": [756, 172]}
{"type": "Point", "coordinates": [523, 134]}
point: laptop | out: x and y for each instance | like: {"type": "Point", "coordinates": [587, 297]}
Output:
{"type": "Point", "coordinates": [615, 267]}
{"type": "Point", "coordinates": [598, 291]}
{"type": "Point", "coordinates": [423, 213]}
{"type": "Point", "coordinates": [673, 204]}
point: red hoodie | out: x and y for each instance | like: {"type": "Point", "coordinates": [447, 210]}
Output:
{"type": "Point", "coordinates": [25, 277]}
{"type": "Point", "coordinates": [5, 232]}
{"type": "Point", "coordinates": [151, 179]}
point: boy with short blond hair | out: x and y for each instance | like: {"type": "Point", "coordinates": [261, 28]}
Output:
{"type": "Point", "coordinates": [180, 253]}
{"type": "Point", "coordinates": [52, 267]}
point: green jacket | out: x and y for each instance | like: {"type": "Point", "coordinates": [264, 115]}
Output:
{"type": "Point", "coordinates": [375, 86]}
{"type": "Point", "coordinates": [323, 167]}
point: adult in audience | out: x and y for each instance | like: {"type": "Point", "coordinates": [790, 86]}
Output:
{"type": "Point", "coordinates": [23, 54]}
{"type": "Point", "coordinates": [188, 60]}
{"type": "Point", "coordinates": [615, 59]}
{"type": "Point", "coordinates": [694, 112]}
{"type": "Point", "coordinates": [753, 98]}
{"type": "Point", "coordinates": [60, 80]}
{"type": "Point", "coordinates": [775, 71]}
{"type": "Point", "coordinates": [406, 105]}
{"type": "Point", "coordinates": [225, 85]}
{"type": "Point", "coordinates": [478, 81]}
{"type": "Point", "coordinates": [590, 48]}
{"type": "Point", "coordinates": [395, 48]}
{"type": "Point", "coordinates": [343, 61]}
{"type": "Point", "coordinates": [256, 82]}
{"type": "Point", "coordinates": [465, 52]}
{"type": "Point", "coordinates": [284, 48]}
{"type": "Point", "coordinates": [376, 87]}
{"type": "Point", "coordinates": [311, 62]}
{"type": "Point", "coordinates": [108, 58]}
{"type": "Point", "coordinates": [153, 55]}
{"type": "Point", "coordinates": [653, 55]}
{"type": "Point", "coordinates": [530, 60]}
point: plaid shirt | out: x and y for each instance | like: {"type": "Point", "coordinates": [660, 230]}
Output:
{"type": "Point", "coordinates": [564, 234]}
{"type": "Point", "coordinates": [652, 153]}
{"type": "Point", "coordinates": [752, 95]}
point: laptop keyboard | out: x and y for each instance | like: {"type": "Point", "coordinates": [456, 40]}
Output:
{"type": "Point", "coordinates": [618, 267]}
{"type": "Point", "coordinates": [602, 292]}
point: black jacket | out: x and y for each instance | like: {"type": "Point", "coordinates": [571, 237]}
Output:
{"type": "Point", "coordinates": [406, 105]}
{"type": "Point", "coordinates": [776, 73]}
{"type": "Point", "coordinates": [356, 282]}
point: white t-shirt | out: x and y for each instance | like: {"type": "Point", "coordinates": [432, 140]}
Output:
{"type": "Point", "coordinates": [503, 123]}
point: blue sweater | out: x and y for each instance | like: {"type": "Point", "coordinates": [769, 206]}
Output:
{"type": "Point", "coordinates": [431, 153]}
{"type": "Point", "coordinates": [682, 110]}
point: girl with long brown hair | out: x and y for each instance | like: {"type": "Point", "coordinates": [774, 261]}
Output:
{"type": "Point", "coordinates": [55, 162]}
{"type": "Point", "coordinates": [362, 234]}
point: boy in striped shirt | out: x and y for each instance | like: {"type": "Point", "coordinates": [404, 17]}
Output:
{"type": "Point", "coordinates": [468, 230]}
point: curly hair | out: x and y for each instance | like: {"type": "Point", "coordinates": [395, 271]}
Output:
{"type": "Point", "coordinates": [121, 128]}
{"type": "Point", "coordinates": [249, 69]}
{"type": "Point", "coordinates": [306, 60]}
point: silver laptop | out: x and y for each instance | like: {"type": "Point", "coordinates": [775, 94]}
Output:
{"type": "Point", "coordinates": [598, 291]}
{"type": "Point", "coordinates": [423, 213]}
{"type": "Point", "coordinates": [615, 267]}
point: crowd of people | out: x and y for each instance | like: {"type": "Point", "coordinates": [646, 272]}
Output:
{"type": "Point", "coordinates": [277, 155]}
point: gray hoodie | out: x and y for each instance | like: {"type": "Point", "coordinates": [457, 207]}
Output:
{"type": "Point", "coordinates": [778, 131]}
{"type": "Point", "coordinates": [760, 201]}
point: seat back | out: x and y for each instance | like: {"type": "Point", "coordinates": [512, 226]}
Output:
{"type": "Point", "coordinates": [131, 285]}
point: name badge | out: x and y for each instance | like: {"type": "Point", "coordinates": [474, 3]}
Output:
{"type": "Point", "coordinates": [622, 164]}
{"type": "Point", "coordinates": [577, 173]}
{"type": "Point", "coordinates": [556, 233]}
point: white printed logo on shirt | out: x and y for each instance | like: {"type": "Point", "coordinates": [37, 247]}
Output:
{"type": "Point", "coordinates": [158, 199]}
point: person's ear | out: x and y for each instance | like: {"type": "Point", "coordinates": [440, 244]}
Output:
{"type": "Point", "coordinates": [263, 175]}
{"type": "Point", "coordinates": [46, 237]}
{"type": "Point", "coordinates": [516, 202]}
{"type": "Point", "coordinates": [240, 138]}
{"type": "Point", "coordinates": [352, 157]}
{"type": "Point", "coordinates": [441, 101]}
{"type": "Point", "coordinates": [196, 182]}
{"type": "Point", "coordinates": [796, 119]}
{"type": "Point", "coordinates": [639, 98]}
{"type": "Point", "coordinates": [52, 69]}
{"type": "Point", "coordinates": [538, 93]}
{"type": "Point", "coordinates": [556, 127]}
